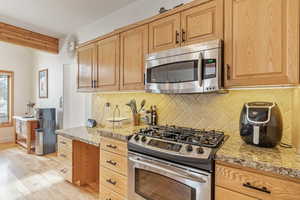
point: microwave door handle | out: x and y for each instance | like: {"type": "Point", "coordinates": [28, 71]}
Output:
{"type": "Point", "coordinates": [200, 69]}
{"type": "Point", "coordinates": [171, 171]}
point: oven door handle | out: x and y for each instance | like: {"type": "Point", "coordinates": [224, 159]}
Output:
{"type": "Point", "coordinates": [173, 171]}
{"type": "Point", "coordinates": [200, 69]}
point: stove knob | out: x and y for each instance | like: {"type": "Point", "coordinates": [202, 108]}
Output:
{"type": "Point", "coordinates": [136, 138]}
{"type": "Point", "coordinates": [200, 150]}
{"type": "Point", "coordinates": [189, 148]}
{"type": "Point", "coordinates": [144, 139]}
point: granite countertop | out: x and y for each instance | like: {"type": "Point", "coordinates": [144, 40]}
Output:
{"type": "Point", "coordinates": [279, 160]}
{"type": "Point", "coordinates": [25, 118]}
{"type": "Point", "coordinates": [92, 135]}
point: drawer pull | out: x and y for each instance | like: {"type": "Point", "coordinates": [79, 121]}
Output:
{"type": "Point", "coordinates": [62, 142]}
{"type": "Point", "coordinates": [111, 162]}
{"type": "Point", "coordinates": [183, 35]}
{"type": "Point", "coordinates": [108, 199]}
{"type": "Point", "coordinates": [111, 146]}
{"type": "Point", "coordinates": [263, 189]}
{"type": "Point", "coordinates": [177, 37]}
{"type": "Point", "coordinates": [111, 182]}
{"type": "Point", "coordinates": [63, 155]}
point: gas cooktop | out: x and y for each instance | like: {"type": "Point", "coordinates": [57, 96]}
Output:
{"type": "Point", "coordinates": [199, 137]}
{"type": "Point", "coordinates": [183, 145]}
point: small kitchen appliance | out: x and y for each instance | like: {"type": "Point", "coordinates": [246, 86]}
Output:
{"type": "Point", "coordinates": [191, 69]}
{"type": "Point", "coordinates": [261, 124]}
{"type": "Point", "coordinates": [179, 159]}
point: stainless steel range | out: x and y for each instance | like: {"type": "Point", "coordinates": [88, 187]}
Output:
{"type": "Point", "coordinates": [172, 163]}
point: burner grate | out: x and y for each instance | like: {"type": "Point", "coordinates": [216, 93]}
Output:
{"type": "Point", "coordinates": [198, 137]}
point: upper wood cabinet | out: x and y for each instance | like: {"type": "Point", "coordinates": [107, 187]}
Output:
{"type": "Point", "coordinates": [261, 42]}
{"type": "Point", "coordinates": [86, 59]}
{"type": "Point", "coordinates": [107, 73]}
{"type": "Point", "coordinates": [164, 33]}
{"type": "Point", "coordinates": [134, 47]}
{"type": "Point", "coordinates": [202, 23]}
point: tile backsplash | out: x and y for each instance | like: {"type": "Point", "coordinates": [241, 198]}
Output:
{"type": "Point", "coordinates": [209, 111]}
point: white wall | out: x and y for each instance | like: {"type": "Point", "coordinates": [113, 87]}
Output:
{"type": "Point", "coordinates": [19, 60]}
{"type": "Point", "coordinates": [132, 13]}
{"type": "Point", "coordinates": [55, 63]}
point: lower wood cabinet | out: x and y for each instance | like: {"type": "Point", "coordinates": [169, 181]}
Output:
{"type": "Point", "coordinates": [113, 169]}
{"type": "Point", "coordinates": [65, 157]}
{"type": "Point", "coordinates": [224, 194]}
{"type": "Point", "coordinates": [107, 194]}
{"type": "Point", "coordinates": [240, 183]}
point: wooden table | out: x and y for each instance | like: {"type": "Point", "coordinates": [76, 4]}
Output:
{"type": "Point", "coordinates": [25, 132]}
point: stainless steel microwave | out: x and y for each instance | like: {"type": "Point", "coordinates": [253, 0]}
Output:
{"type": "Point", "coordinates": [190, 69]}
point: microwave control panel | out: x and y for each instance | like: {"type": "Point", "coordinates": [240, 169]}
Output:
{"type": "Point", "coordinates": [209, 68]}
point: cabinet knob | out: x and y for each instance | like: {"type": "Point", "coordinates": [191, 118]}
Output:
{"type": "Point", "coordinates": [110, 181]}
{"type": "Point", "coordinates": [111, 162]}
{"type": "Point", "coordinates": [63, 155]}
{"type": "Point", "coordinates": [177, 37]}
{"type": "Point", "coordinates": [111, 146]}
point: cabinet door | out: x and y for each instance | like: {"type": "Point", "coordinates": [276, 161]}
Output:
{"type": "Point", "coordinates": [202, 23]}
{"type": "Point", "coordinates": [261, 42]}
{"type": "Point", "coordinates": [134, 47]}
{"type": "Point", "coordinates": [224, 194]}
{"type": "Point", "coordinates": [86, 63]}
{"type": "Point", "coordinates": [164, 33]}
{"type": "Point", "coordinates": [108, 64]}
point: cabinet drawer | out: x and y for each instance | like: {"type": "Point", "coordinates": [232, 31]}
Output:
{"type": "Point", "coordinates": [66, 172]}
{"type": "Point", "coordinates": [65, 157]}
{"type": "Point", "coordinates": [256, 185]}
{"type": "Point", "coordinates": [114, 146]}
{"type": "Point", "coordinates": [106, 194]}
{"type": "Point", "coordinates": [113, 181]}
{"type": "Point", "coordinates": [114, 162]}
{"type": "Point", "coordinates": [64, 143]}
{"type": "Point", "coordinates": [224, 194]}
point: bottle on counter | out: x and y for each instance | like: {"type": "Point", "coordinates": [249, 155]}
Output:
{"type": "Point", "coordinates": [153, 115]}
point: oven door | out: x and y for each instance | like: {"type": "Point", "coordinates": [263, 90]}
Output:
{"type": "Point", "coordinates": [153, 179]}
{"type": "Point", "coordinates": [175, 74]}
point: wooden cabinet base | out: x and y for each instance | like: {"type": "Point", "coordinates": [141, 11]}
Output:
{"type": "Point", "coordinates": [256, 184]}
{"type": "Point", "coordinates": [25, 134]}
{"type": "Point", "coordinates": [85, 164]}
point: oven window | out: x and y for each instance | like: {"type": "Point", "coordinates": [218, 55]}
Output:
{"type": "Point", "coordinates": [185, 71]}
{"type": "Point", "coordinates": [152, 186]}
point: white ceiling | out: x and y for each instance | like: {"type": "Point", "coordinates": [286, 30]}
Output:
{"type": "Point", "coordinates": [56, 17]}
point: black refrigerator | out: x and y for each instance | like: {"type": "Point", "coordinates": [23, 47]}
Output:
{"type": "Point", "coordinates": [45, 134]}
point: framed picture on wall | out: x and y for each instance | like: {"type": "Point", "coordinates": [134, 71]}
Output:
{"type": "Point", "coordinates": [43, 83]}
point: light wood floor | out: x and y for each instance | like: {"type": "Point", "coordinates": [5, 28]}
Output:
{"type": "Point", "coordinates": [30, 177]}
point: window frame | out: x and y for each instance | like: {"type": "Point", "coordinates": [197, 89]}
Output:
{"type": "Point", "coordinates": [11, 99]}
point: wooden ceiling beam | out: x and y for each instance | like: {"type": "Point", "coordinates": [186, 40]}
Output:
{"type": "Point", "coordinates": [23, 37]}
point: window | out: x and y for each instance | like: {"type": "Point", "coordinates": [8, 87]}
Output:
{"type": "Point", "coordinates": [6, 98]}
